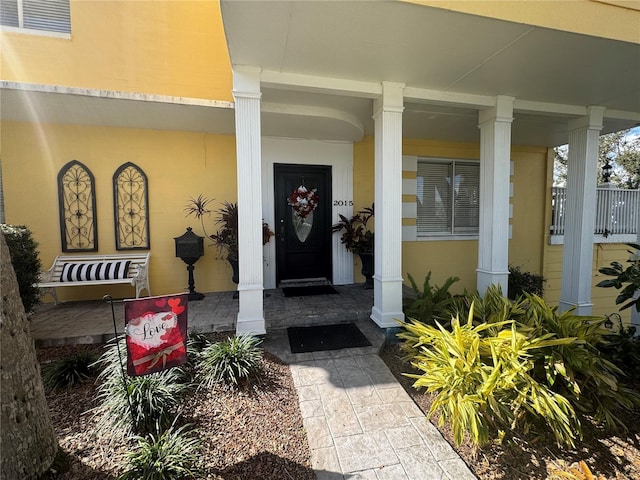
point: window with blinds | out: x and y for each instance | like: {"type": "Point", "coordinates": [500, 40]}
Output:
{"type": "Point", "coordinates": [448, 197]}
{"type": "Point", "coordinates": [46, 15]}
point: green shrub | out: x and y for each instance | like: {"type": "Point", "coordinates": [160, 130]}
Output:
{"type": "Point", "coordinates": [492, 308]}
{"type": "Point", "coordinates": [575, 369]}
{"type": "Point", "coordinates": [484, 381]}
{"type": "Point", "coordinates": [524, 282]}
{"type": "Point", "coordinates": [593, 384]}
{"type": "Point", "coordinates": [626, 279]}
{"type": "Point", "coordinates": [169, 456]}
{"type": "Point", "coordinates": [150, 401]}
{"type": "Point", "coordinates": [432, 302]}
{"type": "Point", "coordinates": [621, 347]}
{"type": "Point", "coordinates": [24, 257]}
{"type": "Point", "coordinates": [69, 371]}
{"type": "Point", "coordinates": [196, 343]}
{"type": "Point", "coordinates": [234, 362]}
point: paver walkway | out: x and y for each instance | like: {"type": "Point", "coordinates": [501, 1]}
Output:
{"type": "Point", "coordinates": [360, 422]}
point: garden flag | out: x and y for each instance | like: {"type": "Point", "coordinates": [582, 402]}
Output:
{"type": "Point", "coordinates": [156, 330]}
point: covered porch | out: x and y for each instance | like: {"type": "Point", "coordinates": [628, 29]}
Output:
{"type": "Point", "coordinates": [342, 71]}
{"type": "Point", "coordinates": [92, 321]}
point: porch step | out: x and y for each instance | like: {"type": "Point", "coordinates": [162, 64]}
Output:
{"type": "Point", "coordinates": [304, 282]}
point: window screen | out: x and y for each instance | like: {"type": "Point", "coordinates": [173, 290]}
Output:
{"type": "Point", "coordinates": [47, 15]}
{"type": "Point", "coordinates": [448, 197]}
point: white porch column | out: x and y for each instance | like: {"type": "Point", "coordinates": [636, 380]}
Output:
{"type": "Point", "coordinates": [495, 157]}
{"type": "Point", "coordinates": [577, 253]}
{"type": "Point", "coordinates": [387, 280]}
{"type": "Point", "coordinates": [246, 92]}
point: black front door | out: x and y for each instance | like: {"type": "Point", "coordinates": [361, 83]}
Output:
{"type": "Point", "coordinates": [303, 240]}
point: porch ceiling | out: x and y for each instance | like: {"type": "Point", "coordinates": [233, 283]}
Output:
{"type": "Point", "coordinates": [434, 49]}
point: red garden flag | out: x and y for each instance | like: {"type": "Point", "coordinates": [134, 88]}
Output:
{"type": "Point", "coordinates": [156, 329]}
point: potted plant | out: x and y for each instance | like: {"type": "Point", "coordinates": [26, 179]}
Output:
{"type": "Point", "coordinates": [226, 238]}
{"type": "Point", "coordinates": [358, 239]}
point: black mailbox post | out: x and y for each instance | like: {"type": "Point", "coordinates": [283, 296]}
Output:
{"type": "Point", "coordinates": [189, 248]}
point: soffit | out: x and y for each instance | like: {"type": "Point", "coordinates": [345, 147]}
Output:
{"type": "Point", "coordinates": [436, 49]}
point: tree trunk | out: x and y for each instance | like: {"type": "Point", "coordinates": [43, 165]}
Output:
{"type": "Point", "coordinates": [27, 441]}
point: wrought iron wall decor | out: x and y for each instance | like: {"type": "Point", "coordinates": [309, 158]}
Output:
{"type": "Point", "coordinates": [131, 204]}
{"type": "Point", "coordinates": [77, 204]}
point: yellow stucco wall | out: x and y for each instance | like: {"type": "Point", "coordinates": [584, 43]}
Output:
{"type": "Point", "coordinates": [460, 257]}
{"type": "Point", "coordinates": [174, 48]}
{"type": "Point", "coordinates": [178, 165]}
{"type": "Point", "coordinates": [615, 19]}
{"type": "Point", "coordinates": [603, 299]}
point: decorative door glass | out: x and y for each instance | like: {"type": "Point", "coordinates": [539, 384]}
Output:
{"type": "Point", "coordinates": [303, 202]}
{"type": "Point", "coordinates": [302, 225]}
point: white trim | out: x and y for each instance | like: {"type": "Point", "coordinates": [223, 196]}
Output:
{"type": "Point", "coordinates": [364, 89]}
{"type": "Point", "coordinates": [33, 31]}
{"type": "Point", "coordinates": [337, 155]}
{"type": "Point", "coordinates": [441, 238]}
{"type": "Point", "coordinates": [409, 163]}
{"type": "Point", "coordinates": [114, 94]}
{"type": "Point", "coordinates": [338, 86]}
{"type": "Point", "coordinates": [409, 233]}
{"type": "Point", "coordinates": [599, 238]}
{"type": "Point", "coordinates": [409, 186]}
{"type": "Point", "coordinates": [442, 97]}
{"type": "Point", "coordinates": [409, 210]}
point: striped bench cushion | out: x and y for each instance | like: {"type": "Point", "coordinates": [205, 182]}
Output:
{"type": "Point", "coordinates": [78, 272]}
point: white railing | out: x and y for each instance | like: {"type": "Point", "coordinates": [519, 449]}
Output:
{"type": "Point", "coordinates": [616, 211]}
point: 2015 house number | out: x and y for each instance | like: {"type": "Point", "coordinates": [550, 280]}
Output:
{"type": "Point", "coordinates": [343, 203]}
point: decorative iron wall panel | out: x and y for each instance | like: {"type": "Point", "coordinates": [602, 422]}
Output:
{"type": "Point", "coordinates": [131, 204]}
{"type": "Point", "coordinates": [77, 204]}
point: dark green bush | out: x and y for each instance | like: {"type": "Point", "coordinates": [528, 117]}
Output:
{"type": "Point", "coordinates": [171, 455]}
{"type": "Point", "coordinates": [69, 371]}
{"type": "Point", "coordinates": [621, 346]}
{"type": "Point", "coordinates": [24, 257]}
{"type": "Point", "coordinates": [524, 282]}
{"type": "Point", "coordinates": [627, 280]}
{"type": "Point", "coordinates": [233, 362]}
{"type": "Point", "coordinates": [432, 302]}
{"type": "Point", "coordinates": [155, 399]}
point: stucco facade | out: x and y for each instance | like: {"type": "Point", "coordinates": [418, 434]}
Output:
{"type": "Point", "coordinates": [161, 85]}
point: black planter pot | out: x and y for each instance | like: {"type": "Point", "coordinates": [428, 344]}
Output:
{"type": "Point", "coordinates": [235, 277]}
{"type": "Point", "coordinates": [367, 269]}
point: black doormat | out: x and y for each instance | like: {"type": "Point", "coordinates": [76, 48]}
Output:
{"type": "Point", "coordinates": [310, 290]}
{"type": "Point", "coordinates": [326, 337]}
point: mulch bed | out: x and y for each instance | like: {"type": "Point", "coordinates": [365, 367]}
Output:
{"type": "Point", "coordinates": [258, 434]}
{"type": "Point", "coordinates": [252, 434]}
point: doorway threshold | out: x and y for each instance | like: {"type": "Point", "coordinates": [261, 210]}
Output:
{"type": "Point", "coordinates": [304, 282]}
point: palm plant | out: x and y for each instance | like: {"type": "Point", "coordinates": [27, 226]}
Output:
{"type": "Point", "coordinates": [356, 236]}
{"type": "Point", "coordinates": [226, 238]}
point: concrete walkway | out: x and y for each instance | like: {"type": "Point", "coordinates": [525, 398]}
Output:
{"type": "Point", "coordinates": [360, 422]}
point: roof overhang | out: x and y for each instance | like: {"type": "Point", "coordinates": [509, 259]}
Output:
{"type": "Point", "coordinates": [23, 102]}
{"type": "Point", "coordinates": [335, 55]}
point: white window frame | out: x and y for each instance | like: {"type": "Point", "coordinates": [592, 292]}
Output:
{"type": "Point", "coordinates": [435, 236]}
{"type": "Point", "coordinates": [35, 31]}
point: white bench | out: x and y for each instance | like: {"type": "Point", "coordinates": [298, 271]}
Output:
{"type": "Point", "coordinates": [83, 270]}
